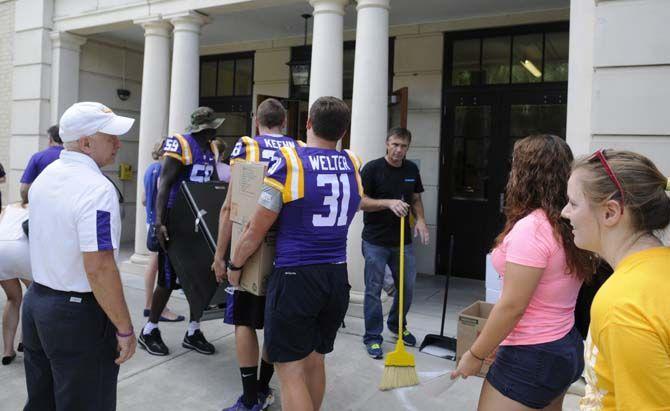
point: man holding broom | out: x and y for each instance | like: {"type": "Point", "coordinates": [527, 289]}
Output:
{"type": "Point", "coordinates": [313, 192]}
{"type": "Point", "coordinates": [392, 188]}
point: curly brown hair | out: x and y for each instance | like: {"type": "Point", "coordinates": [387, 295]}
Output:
{"type": "Point", "coordinates": [541, 166]}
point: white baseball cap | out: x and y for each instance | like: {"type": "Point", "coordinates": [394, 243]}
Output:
{"type": "Point", "coordinates": [87, 118]}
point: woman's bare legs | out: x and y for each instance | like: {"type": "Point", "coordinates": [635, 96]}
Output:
{"type": "Point", "coordinates": [11, 314]}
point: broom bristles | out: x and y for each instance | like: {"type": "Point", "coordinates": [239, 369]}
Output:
{"type": "Point", "coordinates": [396, 377]}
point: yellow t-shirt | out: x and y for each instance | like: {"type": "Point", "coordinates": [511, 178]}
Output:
{"type": "Point", "coordinates": [627, 351]}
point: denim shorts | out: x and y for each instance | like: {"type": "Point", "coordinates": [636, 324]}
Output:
{"type": "Point", "coordinates": [535, 375]}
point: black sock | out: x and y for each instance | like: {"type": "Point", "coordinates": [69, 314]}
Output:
{"type": "Point", "coordinates": [249, 385]}
{"type": "Point", "coordinates": [267, 370]}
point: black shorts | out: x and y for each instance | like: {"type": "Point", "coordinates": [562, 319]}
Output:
{"type": "Point", "coordinates": [243, 308]}
{"type": "Point", "coordinates": [305, 307]}
{"type": "Point", "coordinates": [167, 276]}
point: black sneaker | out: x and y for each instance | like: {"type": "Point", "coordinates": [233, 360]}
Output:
{"type": "Point", "coordinates": [153, 343]}
{"type": "Point", "coordinates": [198, 342]}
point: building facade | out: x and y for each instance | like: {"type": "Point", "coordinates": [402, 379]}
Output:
{"type": "Point", "coordinates": [467, 78]}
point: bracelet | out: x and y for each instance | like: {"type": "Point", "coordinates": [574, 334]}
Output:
{"type": "Point", "coordinates": [473, 354]}
{"type": "Point", "coordinates": [132, 332]}
{"type": "Point", "coordinates": [232, 267]}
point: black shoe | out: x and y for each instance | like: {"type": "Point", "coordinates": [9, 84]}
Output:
{"type": "Point", "coordinates": [198, 342]}
{"type": "Point", "coordinates": [153, 343]}
{"type": "Point", "coordinates": [8, 359]}
{"type": "Point", "coordinates": [20, 347]}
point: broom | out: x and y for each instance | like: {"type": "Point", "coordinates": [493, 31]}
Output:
{"type": "Point", "coordinates": [399, 368]}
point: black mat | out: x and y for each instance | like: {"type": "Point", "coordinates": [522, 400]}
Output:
{"type": "Point", "coordinates": [193, 227]}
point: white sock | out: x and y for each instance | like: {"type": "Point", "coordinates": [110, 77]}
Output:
{"type": "Point", "coordinates": [193, 326]}
{"type": "Point", "coordinates": [149, 327]}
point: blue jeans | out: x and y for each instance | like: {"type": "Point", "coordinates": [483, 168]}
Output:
{"type": "Point", "coordinates": [376, 259]}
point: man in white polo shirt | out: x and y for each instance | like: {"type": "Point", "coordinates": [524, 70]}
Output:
{"type": "Point", "coordinates": [76, 325]}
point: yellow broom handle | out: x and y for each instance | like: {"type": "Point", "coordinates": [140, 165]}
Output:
{"type": "Point", "coordinates": [401, 306]}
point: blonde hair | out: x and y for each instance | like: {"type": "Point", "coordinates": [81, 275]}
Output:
{"type": "Point", "coordinates": [644, 187]}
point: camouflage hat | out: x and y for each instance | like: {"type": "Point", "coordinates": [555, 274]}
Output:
{"type": "Point", "coordinates": [203, 118]}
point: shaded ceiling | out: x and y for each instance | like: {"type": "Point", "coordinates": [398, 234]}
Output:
{"type": "Point", "coordinates": [285, 21]}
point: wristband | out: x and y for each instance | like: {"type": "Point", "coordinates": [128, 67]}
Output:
{"type": "Point", "coordinates": [473, 354]}
{"type": "Point", "coordinates": [132, 332]}
{"type": "Point", "coordinates": [232, 267]}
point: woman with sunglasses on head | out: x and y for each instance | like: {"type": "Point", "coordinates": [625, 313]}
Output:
{"type": "Point", "coordinates": [540, 353]}
{"type": "Point", "coordinates": [617, 199]}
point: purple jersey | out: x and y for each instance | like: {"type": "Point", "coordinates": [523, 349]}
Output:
{"type": "Point", "coordinates": [198, 163]}
{"type": "Point", "coordinates": [261, 148]}
{"type": "Point", "coordinates": [38, 162]}
{"type": "Point", "coordinates": [321, 190]}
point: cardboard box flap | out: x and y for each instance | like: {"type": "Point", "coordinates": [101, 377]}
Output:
{"type": "Point", "coordinates": [247, 184]}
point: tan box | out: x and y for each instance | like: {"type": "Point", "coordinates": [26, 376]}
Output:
{"type": "Point", "coordinates": [258, 267]}
{"type": "Point", "coordinates": [470, 324]}
{"type": "Point", "coordinates": [246, 187]}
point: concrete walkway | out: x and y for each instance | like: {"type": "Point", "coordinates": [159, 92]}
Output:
{"type": "Point", "coordinates": [186, 380]}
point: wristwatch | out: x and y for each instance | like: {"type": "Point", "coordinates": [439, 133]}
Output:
{"type": "Point", "coordinates": [231, 267]}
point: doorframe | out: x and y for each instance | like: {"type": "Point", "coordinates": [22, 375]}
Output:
{"type": "Point", "coordinates": [446, 143]}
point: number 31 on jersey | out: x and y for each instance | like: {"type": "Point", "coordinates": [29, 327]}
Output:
{"type": "Point", "coordinates": [338, 204]}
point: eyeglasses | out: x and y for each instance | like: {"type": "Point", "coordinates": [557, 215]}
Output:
{"type": "Point", "coordinates": [600, 155]}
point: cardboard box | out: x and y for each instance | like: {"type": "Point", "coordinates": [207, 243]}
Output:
{"type": "Point", "coordinates": [258, 267]}
{"type": "Point", "coordinates": [470, 324]}
{"type": "Point", "coordinates": [246, 187]}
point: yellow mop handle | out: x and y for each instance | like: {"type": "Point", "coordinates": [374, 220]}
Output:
{"type": "Point", "coordinates": [401, 274]}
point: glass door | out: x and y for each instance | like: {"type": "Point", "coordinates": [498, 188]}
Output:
{"type": "Point", "coordinates": [479, 135]}
{"type": "Point", "coordinates": [470, 135]}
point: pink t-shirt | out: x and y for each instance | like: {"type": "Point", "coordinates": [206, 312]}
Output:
{"type": "Point", "coordinates": [550, 313]}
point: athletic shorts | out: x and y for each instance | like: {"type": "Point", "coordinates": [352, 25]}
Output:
{"type": "Point", "coordinates": [305, 306]}
{"type": "Point", "coordinates": [535, 375]}
{"type": "Point", "coordinates": [243, 308]}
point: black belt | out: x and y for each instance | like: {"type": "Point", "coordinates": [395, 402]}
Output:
{"type": "Point", "coordinates": [80, 297]}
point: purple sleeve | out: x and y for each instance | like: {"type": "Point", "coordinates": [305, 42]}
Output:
{"type": "Point", "coordinates": [31, 172]}
{"type": "Point", "coordinates": [276, 175]}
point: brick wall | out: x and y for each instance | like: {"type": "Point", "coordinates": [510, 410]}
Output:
{"type": "Point", "coordinates": [6, 55]}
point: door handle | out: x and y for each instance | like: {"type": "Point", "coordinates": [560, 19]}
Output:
{"type": "Point", "coordinates": [501, 205]}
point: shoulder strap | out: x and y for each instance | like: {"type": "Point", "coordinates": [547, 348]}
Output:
{"type": "Point", "coordinates": [252, 150]}
{"type": "Point", "coordinates": [295, 177]}
{"type": "Point", "coordinates": [186, 154]}
{"type": "Point", "coordinates": [357, 162]}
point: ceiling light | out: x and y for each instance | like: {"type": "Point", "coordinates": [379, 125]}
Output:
{"type": "Point", "coordinates": [528, 65]}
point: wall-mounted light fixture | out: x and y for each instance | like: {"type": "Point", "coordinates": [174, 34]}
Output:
{"type": "Point", "coordinates": [300, 68]}
{"type": "Point", "coordinates": [532, 69]}
{"type": "Point", "coordinates": [123, 92]}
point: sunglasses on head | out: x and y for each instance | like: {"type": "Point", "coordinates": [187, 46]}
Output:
{"type": "Point", "coordinates": [600, 155]}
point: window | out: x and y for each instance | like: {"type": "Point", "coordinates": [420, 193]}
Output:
{"type": "Point", "coordinates": [226, 85]}
{"type": "Point", "coordinates": [509, 56]}
{"type": "Point", "coordinates": [226, 75]}
{"type": "Point", "coordinates": [304, 53]}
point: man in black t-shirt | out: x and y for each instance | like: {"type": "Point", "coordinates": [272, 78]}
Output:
{"type": "Point", "coordinates": [392, 187]}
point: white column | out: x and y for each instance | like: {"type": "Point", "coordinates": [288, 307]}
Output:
{"type": "Point", "coordinates": [327, 49]}
{"type": "Point", "coordinates": [580, 73]}
{"type": "Point", "coordinates": [369, 116]}
{"type": "Point", "coordinates": [153, 114]}
{"type": "Point", "coordinates": [66, 50]}
{"type": "Point", "coordinates": [30, 90]}
{"type": "Point", "coordinates": [184, 89]}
